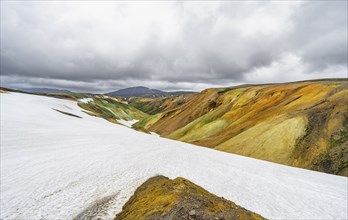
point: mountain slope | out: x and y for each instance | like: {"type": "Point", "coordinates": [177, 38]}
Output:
{"type": "Point", "coordinates": [56, 166]}
{"type": "Point", "coordinates": [301, 124]}
{"type": "Point", "coordinates": [111, 109]}
{"type": "Point", "coordinates": [155, 105]}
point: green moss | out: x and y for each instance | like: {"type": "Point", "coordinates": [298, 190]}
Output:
{"type": "Point", "coordinates": [112, 110]}
{"type": "Point", "coordinates": [334, 84]}
{"type": "Point", "coordinates": [150, 106]}
{"type": "Point", "coordinates": [341, 137]}
{"type": "Point", "coordinates": [222, 90]}
{"type": "Point", "coordinates": [343, 166]}
{"type": "Point", "coordinates": [308, 131]}
{"type": "Point", "coordinates": [148, 121]}
{"type": "Point", "coordinates": [334, 143]}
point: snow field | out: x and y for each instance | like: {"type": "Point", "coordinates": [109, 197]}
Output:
{"type": "Point", "coordinates": [55, 166]}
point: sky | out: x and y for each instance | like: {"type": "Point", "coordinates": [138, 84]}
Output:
{"type": "Point", "coordinates": [88, 46]}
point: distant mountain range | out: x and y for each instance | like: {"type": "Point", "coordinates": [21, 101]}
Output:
{"type": "Point", "coordinates": [141, 91]}
{"type": "Point", "coordinates": [44, 90]}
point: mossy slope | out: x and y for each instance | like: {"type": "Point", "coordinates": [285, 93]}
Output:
{"type": "Point", "coordinates": [300, 124]}
{"type": "Point", "coordinates": [165, 199]}
{"type": "Point", "coordinates": [111, 109]}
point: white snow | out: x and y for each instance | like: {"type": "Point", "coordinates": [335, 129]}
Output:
{"type": "Point", "coordinates": [86, 100]}
{"type": "Point", "coordinates": [127, 123]}
{"type": "Point", "coordinates": [55, 166]}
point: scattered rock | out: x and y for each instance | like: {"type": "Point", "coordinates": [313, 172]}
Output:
{"type": "Point", "coordinates": [192, 212]}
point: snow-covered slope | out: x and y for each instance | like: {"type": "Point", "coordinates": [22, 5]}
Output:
{"type": "Point", "coordinates": [56, 166]}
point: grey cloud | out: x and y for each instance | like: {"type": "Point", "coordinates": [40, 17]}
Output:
{"type": "Point", "coordinates": [166, 45]}
{"type": "Point", "coordinates": [321, 32]}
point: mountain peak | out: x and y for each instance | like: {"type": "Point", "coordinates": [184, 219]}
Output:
{"type": "Point", "coordinates": [135, 91]}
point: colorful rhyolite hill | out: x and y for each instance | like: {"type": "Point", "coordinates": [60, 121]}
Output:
{"type": "Point", "coordinates": [302, 124]}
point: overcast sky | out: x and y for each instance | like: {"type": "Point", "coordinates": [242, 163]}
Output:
{"type": "Point", "coordinates": [104, 46]}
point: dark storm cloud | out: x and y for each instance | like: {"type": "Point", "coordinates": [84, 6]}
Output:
{"type": "Point", "coordinates": [102, 46]}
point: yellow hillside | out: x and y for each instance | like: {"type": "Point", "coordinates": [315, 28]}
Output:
{"type": "Point", "coordinates": [301, 124]}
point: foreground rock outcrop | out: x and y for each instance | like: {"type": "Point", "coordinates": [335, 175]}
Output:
{"type": "Point", "coordinates": [162, 198]}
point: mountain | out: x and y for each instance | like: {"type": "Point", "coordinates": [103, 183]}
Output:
{"type": "Point", "coordinates": [141, 91]}
{"type": "Point", "coordinates": [135, 91]}
{"type": "Point", "coordinates": [64, 165]}
{"type": "Point", "coordinates": [44, 90]}
{"type": "Point", "coordinates": [302, 124]}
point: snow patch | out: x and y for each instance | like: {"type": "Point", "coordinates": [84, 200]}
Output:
{"type": "Point", "coordinates": [86, 100]}
{"type": "Point", "coordinates": [127, 123]}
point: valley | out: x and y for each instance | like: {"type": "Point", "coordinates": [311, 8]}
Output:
{"type": "Point", "coordinates": [174, 110]}
{"type": "Point", "coordinates": [62, 166]}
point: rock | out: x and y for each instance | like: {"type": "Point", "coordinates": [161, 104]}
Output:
{"type": "Point", "coordinates": [192, 212]}
{"type": "Point", "coordinates": [179, 199]}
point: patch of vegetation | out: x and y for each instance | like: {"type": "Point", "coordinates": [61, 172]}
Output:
{"type": "Point", "coordinates": [223, 90]}
{"type": "Point", "coordinates": [147, 107]}
{"type": "Point", "coordinates": [153, 106]}
{"type": "Point", "coordinates": [112, 110]}
{"type": "Point", "coordinates": [162, 198]}
{"type": "Point", "coordinates": [341, 137]}
{"type": "Point", "coordinates": [99, 111]}
{"type": "Point", "coordinates": [334, 159]}
{"type": "Point", "coordinates": [343, 166]}
{"type": "Point", "coordinates": [334, 84]}
{"type": "Point", "coordinates": [308, 131]}
{"type": "Point", "coordinates": [148, 121]}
